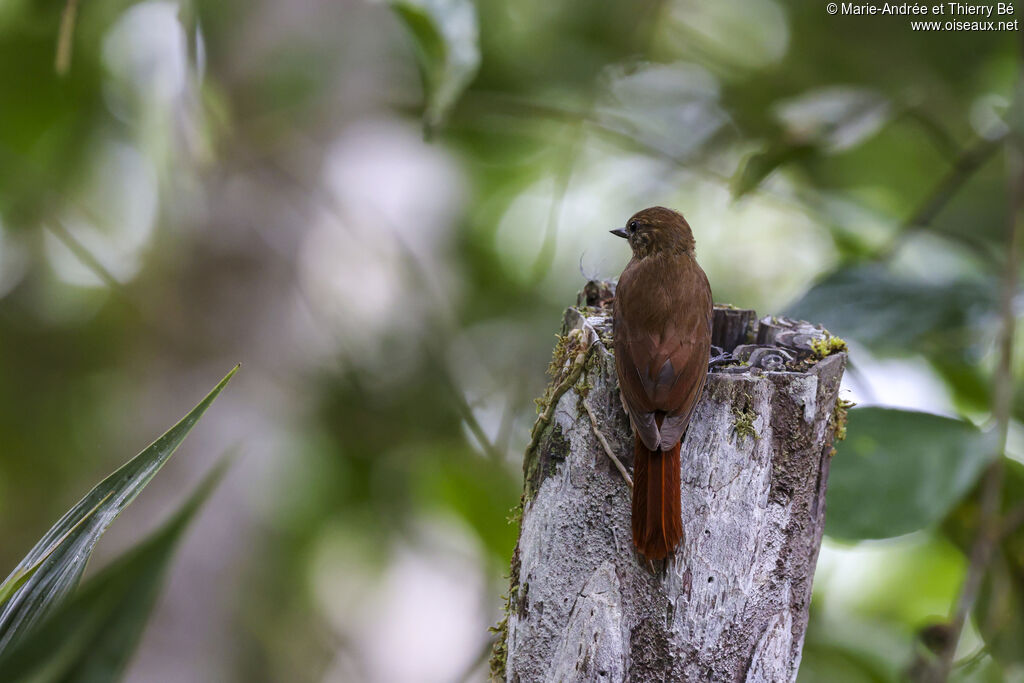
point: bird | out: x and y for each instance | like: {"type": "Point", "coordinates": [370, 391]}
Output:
{"type": "Point", "coordinates": [661, 330]}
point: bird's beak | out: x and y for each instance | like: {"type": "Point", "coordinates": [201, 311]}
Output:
{"type": "Point", "coordinates": [619, 232]}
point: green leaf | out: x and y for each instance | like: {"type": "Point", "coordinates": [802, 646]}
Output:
{"type": "Point", "coordinates": [53, 568]}
{"type": "Point", "coordinates": [446, 37]}
{"type": "Point", "coordinates": [899, 471]}
{"type": "Point", "coordinates": [653, 102]}
{"type": "Point", "coordinates": [836, 117]}
{"type": "Point", "coordinates": [877, 308]}
{"type": "Point", "coordinates": [757, 167]}
{"type": "Point", "coordinates": [91, 637]}
{"type": "Point", "coordinates": [18, 578]}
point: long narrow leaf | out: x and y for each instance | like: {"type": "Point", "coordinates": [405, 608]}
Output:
{"type": "Point", "coordinates": [60, 556]}
{"type": "Point", "coordinates": [15, 581]}
{"type": "Point", "coordinates": [91, 637]}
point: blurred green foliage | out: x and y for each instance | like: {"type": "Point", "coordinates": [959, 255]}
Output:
{"type": "Point", "coordinates": [213, 182]}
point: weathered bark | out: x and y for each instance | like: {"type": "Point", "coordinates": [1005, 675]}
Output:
{"type": "Point", "coordinates": [732, 604]}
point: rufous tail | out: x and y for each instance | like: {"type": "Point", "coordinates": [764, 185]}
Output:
{"type": "Point", "coordinates": [657, 513]}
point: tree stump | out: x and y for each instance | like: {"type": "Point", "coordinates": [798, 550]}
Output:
{"type": "Point", "coordinates": [732, 603]}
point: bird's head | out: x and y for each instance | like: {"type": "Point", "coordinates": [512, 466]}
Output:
{"type": "Point", "coordinates": [655, 230]}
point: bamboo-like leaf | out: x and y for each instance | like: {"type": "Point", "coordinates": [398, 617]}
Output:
{"type": "Point", "coordinates": [91, 637]}
{"type": "Point", "coordinates": [53, 568]}
{"type": "Point", "coordinates": [17, 579]}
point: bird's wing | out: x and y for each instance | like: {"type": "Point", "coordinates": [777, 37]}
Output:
{"type": "Point", "coordinates": [635, 399]}
{"type": "Point", "coordinates": [691, 358]}
{"type": "Point", "coordinates": [662, 368]}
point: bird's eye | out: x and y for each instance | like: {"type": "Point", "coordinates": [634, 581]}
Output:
{"type": "Point", "coordinates": [632, 226]}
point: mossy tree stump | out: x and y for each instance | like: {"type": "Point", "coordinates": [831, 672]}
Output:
{"type": "Point", "coordinates": [732, 604]}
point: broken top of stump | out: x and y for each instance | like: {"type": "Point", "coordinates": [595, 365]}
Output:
{"type": "Point", "coordinates": [740, 342]}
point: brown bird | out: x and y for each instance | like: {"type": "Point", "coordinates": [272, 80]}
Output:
{"type": "Point", "coordinates": [662, 332]}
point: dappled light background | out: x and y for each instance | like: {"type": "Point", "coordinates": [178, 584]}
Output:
{"type": "Point", "coordinates": [384, 225]}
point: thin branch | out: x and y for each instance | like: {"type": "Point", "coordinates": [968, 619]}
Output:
{"type": "Point", "coordinates": [515, 396]}
{"type": "Point", "coordinates": [466, 411]}
{"type": "Point", "coordinates": [940, 137]}
{"type": "Point", "coordinates": [85, 257]}
{"type": "Point", "coordinates": [477, 666]}
{"type": "Point", "coordinates": [964, 167]}
{"type": "Point", "coordinates": [1012, 520]}
{"type": "Point", "coordinates": [159, 329]}
{"type": "Point", "coordinates": [648, 25]}
{"type": "Point", "coordinates": [969, 161]}
{"type": "Point", "coordinates": [65, 38]}
{"type": "Point", "coordinates": [604, 444]}
{"type": "Point", "coordinates": [574, 374]}
{"type": "Point", "coordinates": [990, 526]}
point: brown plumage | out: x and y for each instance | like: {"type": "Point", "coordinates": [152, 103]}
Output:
{"type": "Point", "coordinates": [662, 331]}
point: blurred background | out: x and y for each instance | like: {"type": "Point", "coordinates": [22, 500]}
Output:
{"type": "Point", "coordinates": [382, 210]}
